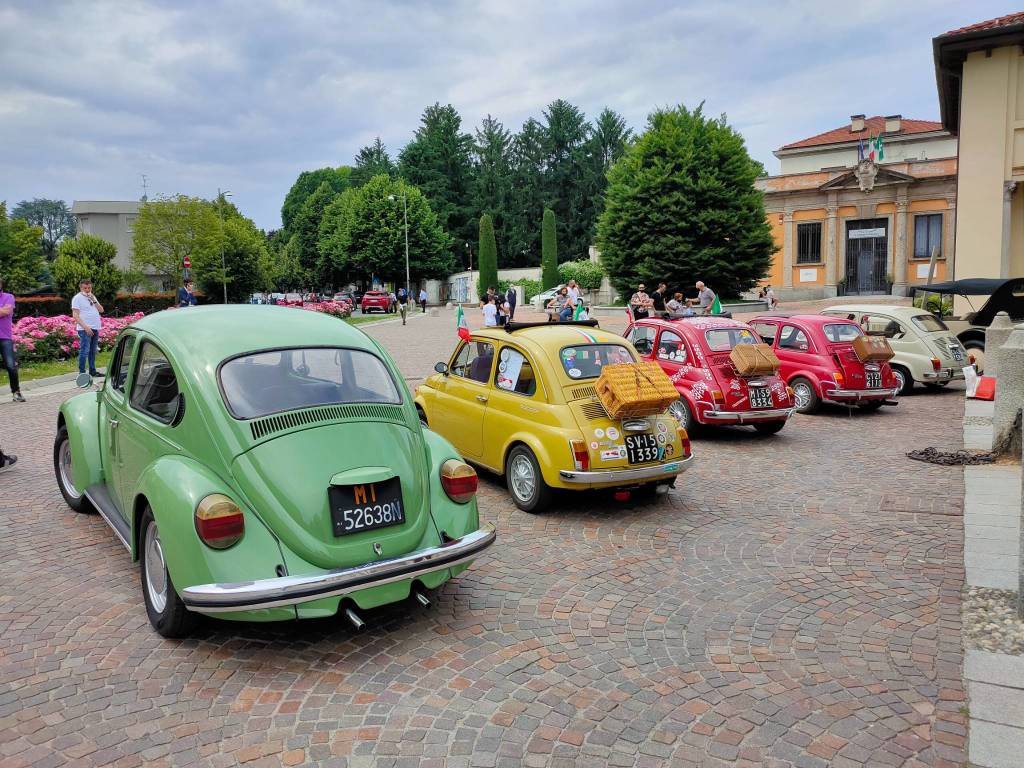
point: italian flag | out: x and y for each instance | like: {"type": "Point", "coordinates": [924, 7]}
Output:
{"type": "Point", "coordinates": [716, 306]}
{"type": "Point", "coordinates": [461, 326]}
{"type": "Point", "coordinates": [578, 311]}
{"type": "Point", "coordinates": [879, 148]}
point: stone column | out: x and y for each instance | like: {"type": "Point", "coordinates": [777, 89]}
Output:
{"type": "Point", "coordinates": [899, 254]}
{"type": "Point", "coordinates": [787, 249]}
{"type": "Point", "coordinates": [830, 247]}
{"type": "Point", "coordinates": [1006, 426]}
{"type": "Point", "coordinates": [1004, 265]}
{"type": "Point", "coordinates": [996, 336]}
{"type": "Point", "coordinates": [949, 238]}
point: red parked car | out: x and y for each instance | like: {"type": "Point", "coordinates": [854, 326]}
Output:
{"type": "Point", "coordinates": [694, 352]}
{"type": "Point", "coordinates": [819, 364]}
{"type": "Point", "coordinates": [375, 300]}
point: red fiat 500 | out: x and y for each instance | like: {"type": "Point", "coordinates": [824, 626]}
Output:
{"type": "Point", "coordinates": [819, 364]}
{"type": "Point", "coordinates": [694, 352]}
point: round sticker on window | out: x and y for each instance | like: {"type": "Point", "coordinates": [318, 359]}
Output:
{"type": "Point", "coordinates": [575, 373]}
{"type": "Point", "coordinates": [598, 433]}
{"type": "Point", "coordinates": [569, 352]}
{"type": "Point", "coordinates": [504, 354]}
{"type": "Point", "coordinates": [502, 366]}
{"type": "Point", "coordinates": [613, 433]}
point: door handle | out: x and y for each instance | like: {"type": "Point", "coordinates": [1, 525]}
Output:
{"type": "Point", "coordinates": [113, 423]}
{"type": "Point", "coordinates": [481, 398]}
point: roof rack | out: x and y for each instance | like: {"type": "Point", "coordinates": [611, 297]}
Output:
{"type": "Point", "coordinates": [512, 327]}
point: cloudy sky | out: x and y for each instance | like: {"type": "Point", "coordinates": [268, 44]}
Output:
{"type": "Point", "coordinates": [243, 95]}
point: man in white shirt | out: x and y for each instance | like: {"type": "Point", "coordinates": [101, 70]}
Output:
{"type": "Point", "coordinates": [574, 291]}
{"type": "Point", "coordinates": [86, 309]}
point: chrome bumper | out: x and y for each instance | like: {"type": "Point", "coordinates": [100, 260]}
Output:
{"type": "Point", "coordinates": [859, 394]}
{"type": "Point", "coordinates": [290, 590]}
{"type": "Point", "coordinates": [743, 417]}
{"type": "Point", "coordinates": [949, 374]}
{"type": "Point", "coordinates": [625, 476]}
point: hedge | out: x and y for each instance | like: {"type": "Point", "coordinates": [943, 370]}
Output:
{"type": "Point", "coordinates": [124, 304]}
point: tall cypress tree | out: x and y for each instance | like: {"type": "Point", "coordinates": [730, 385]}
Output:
{"type": "Point", "coordinates": [549, 251]}
{"type": "Point", "coordinates": [488, 255]}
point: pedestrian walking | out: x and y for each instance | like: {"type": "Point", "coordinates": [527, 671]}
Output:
{"type": "Point", "coordinates": [87, 311]}
{"type": "Point", "coordinates": [7, 353]}
{"type": "Point", "coordinates": [490, 312]}
{"type": "Point", "coordinates": [423, 300]}
{"type": "Point", "coordinates": [403, 303]}
{"type": "Point", "coordinates": [640, 302]}
{"type": "Point", "coordinates": [7, 460]}
{"type": "Point", "coordinates": [511, 297]}
{"type": "Point", "coordinates": [769, 295]}
{"type": "Point", "coordinates": [186, 296]}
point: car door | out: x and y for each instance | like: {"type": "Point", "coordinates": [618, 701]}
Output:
{"type": "Point", "coordinates": [463, 396]}
{"type": "Point", "coordinates": [111, 414]}
{"type": "Point", "coordinates": [517, 401]}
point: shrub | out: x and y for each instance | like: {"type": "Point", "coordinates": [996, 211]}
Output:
{"type": "Point", "coordinates": [82, 257]}
{"type": "Point", "coordinates": [935, 303]}
{"type": "Point", "coordinates": [41, 306]}
{"type": "Point", "coordinates": [587, 274]}
{"type": "Point", "coordinates": [530, 287]}
{"type": "Point", "coordinates": [41, 339]}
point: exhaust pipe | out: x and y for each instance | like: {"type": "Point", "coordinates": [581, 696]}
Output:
{"type": "Point", "coordinates": [421, 595]}
{"type": "Point", "coordinates": [353, 617]}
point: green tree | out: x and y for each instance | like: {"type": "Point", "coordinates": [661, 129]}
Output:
{"type": "Point", "coordinates": [305, 229]}
{"type": "Point", "coordinates": [681, 206]}
{"type": "Point", "coordinates": [587, 274]}
{"type": "Point", "coordinates": [53, 216]}
{"type": "Point", "coordinates": [170, 228]}
{"type": "Point", "coordinates": [372, 160]}
{"type": "Point", "coordinates": [492, 170]}
{"type": "Point", "coordinates": [549, 251]}
{"type": "Point", "coordinates": [609, 139]}
{"type": "Point", "coordinates": [526, 195]}
{"type": "Point", "coordinates": [21, 253]}
{"type": "Point", "coordinates": [438, 161]}
{"type": "Point", "coordinates": [488, 255]}
{"type": "Point", "coordinates": [245, 259]}
{"type": "Point", "coordinates": [338, 179]}
{"type": "Point", "coordinates": [566, 133]}
{"type": "Point", "coordinates": [87, 256]}
{"type": "Point", "coordinates": [363, 231]}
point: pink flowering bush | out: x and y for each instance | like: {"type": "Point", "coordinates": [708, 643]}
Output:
{"type": "Point", "coordinates": [334, 308]}
{"type": "Point", "coordinates": [41, 339]}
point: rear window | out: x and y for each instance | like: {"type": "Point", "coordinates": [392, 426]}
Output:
{"type": "Point", "coordinates": [929, 323]}
{"type": "Point", "coordinates": [286, 379]}
{"type": "Point", "coordinates": [724, 339]}
{"type": "Point", "coordinates": [585, 361]}
{"type": "Point", "coordinates": [840, 333]}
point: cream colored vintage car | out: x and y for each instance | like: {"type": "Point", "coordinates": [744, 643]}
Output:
{"type": "Point", "coordinates": [926, 351]}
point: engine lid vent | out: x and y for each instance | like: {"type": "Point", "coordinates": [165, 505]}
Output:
{"type": "Point", "coordinates": [325, 414]}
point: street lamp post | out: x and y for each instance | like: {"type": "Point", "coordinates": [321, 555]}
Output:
{"type": "Point", "coordinates": [221, 199]}
{"type": "Point", "coordinates": [469, 291]}
{"type": "Point", "coordinates": [405, 219]}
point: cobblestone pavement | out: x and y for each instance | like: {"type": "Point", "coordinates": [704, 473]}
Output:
{"type": "Point", "coordinates": [794, 602]}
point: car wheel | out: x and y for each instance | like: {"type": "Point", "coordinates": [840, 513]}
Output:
{"type": "Point", "coordinates": [62, 468]}
{"type": "Point", "coordinates": [871, 405]}
{"type": "Point", "coordinates": [769, 427]}
{"type": "Point", "coordinates": [525, 482]}
{"type": "Point", "coordinates": [807, 400]}
{"type": "Point", "coordinates": [167, 613]}
{"type": "Point", "coordinates": [683, 413]}
{"type": "Point", "coordinates": [976, 348]}
{"type": "Point", "coordinates": [904, 381]}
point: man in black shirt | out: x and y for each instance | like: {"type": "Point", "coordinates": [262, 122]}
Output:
{"type": "Point", "coordinates": [658, 297]}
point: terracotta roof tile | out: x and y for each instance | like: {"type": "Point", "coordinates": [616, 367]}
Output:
{"type": "Point", "coordinates": [982, 26]}
{"type": "Point", "coordinates": [872, 127]}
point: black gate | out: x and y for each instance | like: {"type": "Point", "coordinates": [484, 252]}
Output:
{"type": "Point", "coordinates": [866, 256]}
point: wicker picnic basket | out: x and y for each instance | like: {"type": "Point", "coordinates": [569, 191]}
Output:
{"type": "Point", "coordinates": [635, 389]}
{"type": "Point", "coordinates": [754, 360]}
{"type": "Point", "coordinates": [872, 349]}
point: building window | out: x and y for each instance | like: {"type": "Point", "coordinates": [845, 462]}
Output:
{"type": "Point", "coordinates": [808, 243]}
{"type": "Point", "coordinates": [927, 235]}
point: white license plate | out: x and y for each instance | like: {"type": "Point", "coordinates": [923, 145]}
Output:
{"type": "Point", "coordinates": [873, 379]}
{"type": "Point", "coordinates": [760, 397]}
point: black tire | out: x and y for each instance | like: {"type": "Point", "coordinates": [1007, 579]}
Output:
{"type": "Point", "coordinates": [904, 381]}
{"type": "Point", "coordinates": [172, 619]}
{"type": "Point", "coordinates": [769, 427]}
{"type": "Point", "coordinates": [870, 405]}
{"type": "Point", "coordinates": [805, 395]}
{"type": "Point", "coordinates": [73, 497]}
{"type": "Point", "coordinates": [521, 460]}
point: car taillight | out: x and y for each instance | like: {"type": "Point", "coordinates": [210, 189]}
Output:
{"type": "Point", "coordinates": [219, 521]}
{"type": "Point", "coordinates": [840, 380]}
{"type": "Point", "coordinates": [936, 363]}
{"type": "Point", "coordinates": [684, 438]}
{"type": "Point", "coordinates": [458, 480]}
{"type": "Point", "coordinates": [580, 455]}
{"type": "Point", "coordinates": [717, 396]}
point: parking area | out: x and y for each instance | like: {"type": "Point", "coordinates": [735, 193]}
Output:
{"type": "Point", "coordinates": [794, 601]}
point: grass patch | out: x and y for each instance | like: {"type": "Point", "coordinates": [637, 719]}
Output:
{"type": "Point", "coordinates": [374, 318]}
{"type": "Point", "coordinates": [32, 371]}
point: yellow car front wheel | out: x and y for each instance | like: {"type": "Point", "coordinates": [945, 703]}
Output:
{"type": "Point", "coordinates": [525, 481]}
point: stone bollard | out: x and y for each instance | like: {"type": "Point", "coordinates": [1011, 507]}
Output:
{"type": "Point", "coordinates": [1006, 419]}
{"type": "Point", "coordinates": [434, 312]}
{"type": "Point", "coordinates": [448, 305]}
{"type": "Point", "coordinates": [995, 336]}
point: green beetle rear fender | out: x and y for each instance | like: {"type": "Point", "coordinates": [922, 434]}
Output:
{"type": "Point", "coordinates": [80, 414]}
{"type": "Point", "coordinates": [173, 486]}
{"type": "Point", "coordinates": [449, 516]}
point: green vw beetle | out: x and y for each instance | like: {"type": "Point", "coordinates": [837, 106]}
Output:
{"type": "Point", "coordinates": [266, 463]}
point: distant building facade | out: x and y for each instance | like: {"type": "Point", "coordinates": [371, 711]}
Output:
{"type": "Point", "coordinates": [112, 220]}
{"type": "Point", "coordinates": [979, 73]}
{"type": "Point", "coordinates": [847, 225]}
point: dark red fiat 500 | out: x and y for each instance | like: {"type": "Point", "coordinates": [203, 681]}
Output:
{"type": "Point", "coordinates": [694, 352]}
{"type": "Point", "coordinates": [819, 364]}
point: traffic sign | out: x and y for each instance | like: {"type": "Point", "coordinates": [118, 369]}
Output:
{"type": "Point", "coordinates": [188, 262]}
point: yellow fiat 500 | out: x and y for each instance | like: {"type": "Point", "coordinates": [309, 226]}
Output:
{"type": "Point", "coordinates": [520, 401]}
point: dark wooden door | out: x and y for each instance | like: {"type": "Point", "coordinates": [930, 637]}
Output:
{"type": "Point", "coordinates": [866, 256]}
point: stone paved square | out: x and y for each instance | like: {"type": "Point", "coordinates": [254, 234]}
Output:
{"type": "Point", "coordinates": [794, 601]}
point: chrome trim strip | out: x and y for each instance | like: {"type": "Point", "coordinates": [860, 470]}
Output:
{"type": "Point", "coordinates": [948, 374]}
{"type": "Point", "coordinates": [623, 475]}
{"type": "Point", "coordinates": [742, 416]}
{"type": "Point", "coordinates": [105, 514]}
{"type": "Point", "coordinates": [859, 394]}
{"type": "Point", "coordinates": [291, 590]}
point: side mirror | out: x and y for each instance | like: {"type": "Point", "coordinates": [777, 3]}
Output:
{"type": "Point", "coordinates": [441, 368]}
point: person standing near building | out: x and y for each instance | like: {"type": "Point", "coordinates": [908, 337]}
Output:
{"type": "Point", "coordinates": [705, 298]}
{"type": "Point", "coordinates": [640, 303]}
{"type": "Point", "coordinates": [658, 300]}
{"type": "Point", "coordinates": [186, 297]}
{"type": "Point", "coordinates": [573, 291]}
{"type": "Point", "coordinates": [490, 311]}
{"type": "Point", "coordinates": [511, 297]}
{"type": "Point", "coordinates": [423, 300]}
{"type": "Point", "coordinates": [86, 309]}
{"type": "Point", "coordinates": [7, 354]}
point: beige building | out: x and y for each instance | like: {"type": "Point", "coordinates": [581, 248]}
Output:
{"type": "Point", "coordinates": [112, 220]}
{"type": "Point", "coordinates": [979, 72]}
{"type": "Point", "coordinates": [847, 225]}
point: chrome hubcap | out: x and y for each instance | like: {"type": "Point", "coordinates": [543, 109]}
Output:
{"type": "Point", "coordinates": [802, 393]}
{"type": "Point", "coordinates": [681, 412]}
{"type": "Point", "coordinates": [66, 470]}
{"type": "Point", "coordinates": [156, 569]}
{"type": "Point", "coordinates": [522, 477]}
{"type": "Point", "coordinates": [901, 381]}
